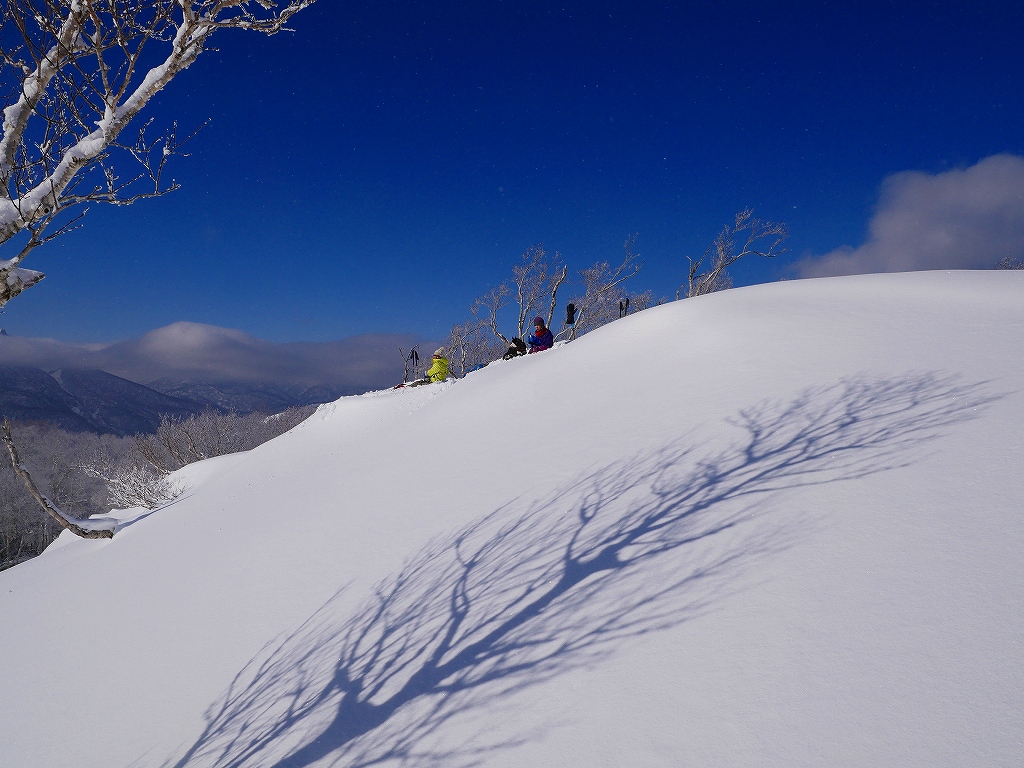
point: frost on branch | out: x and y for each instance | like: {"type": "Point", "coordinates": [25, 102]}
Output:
{"type": "Point", "coordinates": [598, 304]}
{"type": "Point", "coordinates": [130, 484]}
{"type": "Point", "coordinates": [74, 74]}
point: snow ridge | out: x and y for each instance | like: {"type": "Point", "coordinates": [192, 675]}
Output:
{"type": "Point", "coordinates": [774, 526]}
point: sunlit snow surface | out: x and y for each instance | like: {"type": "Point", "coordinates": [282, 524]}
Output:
{"type": "Point", "coordinates": [775, 526]}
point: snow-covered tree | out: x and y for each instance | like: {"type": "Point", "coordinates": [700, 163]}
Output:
{"type": "Point", "coordinates": [1008, 262]}
{"type": "Point", "coordinates": [603, 290]}
{"type": "Point", "coordinates": [533, 287]}
{"type": "Point", "coordinates": [76, 73]}
{"type": "Point", "coordinates": [54, 458]}
{"type": "Point", "coordinates": [180, 442]}
{"type": "Point", "coordinates": [130, 483]}
{"type": "Point", "coordinates": [536, 281]}
{"type": "Point", "coordinates": [471, 344]}
{"type": "Point", "coordinates": [708, 273]}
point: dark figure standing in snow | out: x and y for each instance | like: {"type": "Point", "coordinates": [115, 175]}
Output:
{"type": "Point", "coordinates": [541, 337]}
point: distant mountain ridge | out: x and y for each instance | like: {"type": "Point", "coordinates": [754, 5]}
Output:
{"type": "Point", "coordinates": [246, 397]}
{"type": "Point", "coordinates": [91, 400]}
{"type": "Point", "coordinates": [87, 400]}
{"type": "Point", "coordinates": [185, 368]}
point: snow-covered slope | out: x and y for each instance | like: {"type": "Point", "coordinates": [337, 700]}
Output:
{"type": "Point", "coordinates": [775, 526]}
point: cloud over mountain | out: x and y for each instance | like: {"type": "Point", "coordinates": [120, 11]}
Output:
{"type": "Point", "coordinates": [966, 218]}
{"type": "Point", "coordinates": [187, 351]}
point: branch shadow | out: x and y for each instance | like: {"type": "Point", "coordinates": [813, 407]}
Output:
{"type": "Point", "coordinates": [535, 590]}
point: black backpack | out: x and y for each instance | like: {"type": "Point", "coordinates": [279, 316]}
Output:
{"type": "Point", "coordinates": [516, 348]}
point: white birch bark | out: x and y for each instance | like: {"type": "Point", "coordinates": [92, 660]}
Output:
{"type": "Point", "coordinates": [84, 32]}
{"type": "Point", "coordinates": [88, 529]}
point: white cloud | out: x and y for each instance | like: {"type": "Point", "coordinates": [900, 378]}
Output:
{"type": "Point", "coordinates": [961, 219]}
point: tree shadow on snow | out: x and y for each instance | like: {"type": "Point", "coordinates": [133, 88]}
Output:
{"type": "Point", "coordinates": [532, 591]}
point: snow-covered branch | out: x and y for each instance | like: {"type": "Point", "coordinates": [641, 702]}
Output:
{"type": "Point", "coordinates": [74, 69]}
{"type": "Point", "coordinates": [602, 286]}
{"type": "Point", "coordinates": [724, 252]}
{"type": "Point", "coordinates": [486, 308]}
{"type": "Point", "coordinates": [535, 278]}
{"type": "Point", "coordinates": [87, 529]}
{"type": "Point", "coordinates": [131, 484]}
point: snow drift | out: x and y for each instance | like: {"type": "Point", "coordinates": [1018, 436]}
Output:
{"type": "Point", "coordinates": [778, 525]}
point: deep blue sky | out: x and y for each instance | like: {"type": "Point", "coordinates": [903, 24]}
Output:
{"type": "Point", "coordinates": [386, 162]}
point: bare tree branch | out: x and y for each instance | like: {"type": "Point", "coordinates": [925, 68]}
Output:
{"type": "Point", "coordinates": [74, 72]}
{"type": "Point", "coordinates": [601, 288]}
{"type": "Point", "coordinates": [83, 528]}
{"type": "Point", "coordinates": [486, 308]}
{"type": "Point", "coordinates": [557, 278]}
{"type": "Point", "coordinates": [535, 278]}
{"type": "Point", "coordinates": [724, 252]}
{"type": "Point", "coordinates": [471, 344]}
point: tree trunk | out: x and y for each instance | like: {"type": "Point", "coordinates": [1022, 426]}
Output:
{"type": "Point", "coordinates": [77, 527]}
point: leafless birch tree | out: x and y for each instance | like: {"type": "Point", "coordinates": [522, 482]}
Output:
{"type": "Point", "coordinates": [53, 458]}
{"type": "Point", "coordinates": [603, 289]}
{"type": "Point", "coordinates": [80, 474]}
{"type": "Point", "coordinates": [725, 251]}
{"type": "Point", "coordinates": [534, 287]}
{"type": "Point", "coordinates": [537, 280]}
{"type": "Point", "coordinates": [77, 72]}
{"type": "Point", "coordinates": [180, 442]}
{"type": "Point", "coordinates": [485, 309]}
{"type": "Point", "coordinates": [471, 344]}
{"type": "Point", "coordinates": [131, 483]}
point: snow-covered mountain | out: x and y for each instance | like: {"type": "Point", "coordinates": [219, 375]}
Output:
{"type": "Point", "coordinates": [774, 526]}
{"type": "Point", "coordinates": [248, 396]}
{"type": "Point", "coordinates": [80, 399]}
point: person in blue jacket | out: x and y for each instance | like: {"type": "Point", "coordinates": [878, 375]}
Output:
{"type": "Point", "coordinates": [541, 337]}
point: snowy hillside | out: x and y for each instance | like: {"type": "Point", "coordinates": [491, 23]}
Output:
{"type": "Point", "coordinates": [774, 526]}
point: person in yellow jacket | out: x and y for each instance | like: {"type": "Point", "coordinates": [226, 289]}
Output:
{"type": "Point", "coordinates": [437, 372]}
